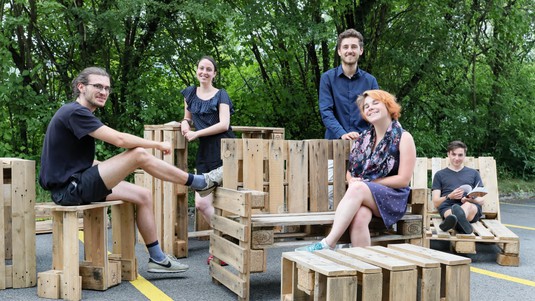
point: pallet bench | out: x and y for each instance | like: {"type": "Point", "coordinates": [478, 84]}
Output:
{"type": "Point", "coordinates": [399, 272]}
{"type": "Point", "coordinates": [276, 191]}
{"type": "Point", "coordinates": [488, 230]}
{"type": "Point", "coordinates": [99, 270]}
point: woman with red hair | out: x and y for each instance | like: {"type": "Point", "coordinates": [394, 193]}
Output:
{"type": "Point", "coordinates": [380, 168]}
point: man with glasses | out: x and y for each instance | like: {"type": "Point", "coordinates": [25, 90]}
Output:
{"type": "Point", "coordinates": [69, 169]}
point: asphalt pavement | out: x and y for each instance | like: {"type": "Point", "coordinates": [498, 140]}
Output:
{"type": "Point", "coordinates": [489, 281]}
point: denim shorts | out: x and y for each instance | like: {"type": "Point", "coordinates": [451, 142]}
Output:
{"type": "Point", "coordinates": [448, 203]}
{"type": "Point", "coordinates": [81, 189]}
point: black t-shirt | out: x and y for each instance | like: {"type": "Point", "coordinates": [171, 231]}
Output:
{"type": "Point", "coordinates": [447, 180]}
{"type": "Point", "coordinates": [68, 149]}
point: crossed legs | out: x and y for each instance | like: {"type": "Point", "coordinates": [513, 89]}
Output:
{"type": "Point", "coordinates": [355, 212]}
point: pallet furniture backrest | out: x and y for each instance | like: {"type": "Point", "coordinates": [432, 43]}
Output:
{"type": "Point", "coordinates": [284, 169]}
{"type": "Point", "coordinates": [487, 169]}
{"type": "Point", "coordinates": [295, 172]}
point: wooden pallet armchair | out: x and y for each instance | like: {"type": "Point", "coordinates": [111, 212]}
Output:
{"type": "Point", "coordinates": [489, 229]}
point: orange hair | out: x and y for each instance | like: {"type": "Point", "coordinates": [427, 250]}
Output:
{"type": "Point", "coordinates": [388, 99]}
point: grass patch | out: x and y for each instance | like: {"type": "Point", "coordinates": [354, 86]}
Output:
{"type": "Point", "coordinates": [513, 186]}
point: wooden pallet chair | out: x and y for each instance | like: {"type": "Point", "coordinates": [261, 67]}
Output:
{"type": "Point", "coordinates": [489, 229]}
{"type": "Point", "coordinates": [276, 191]}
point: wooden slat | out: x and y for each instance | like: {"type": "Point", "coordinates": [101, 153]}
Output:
{"type": "Point", "coordinates": [340, 258]}
{"type": "Point", "coordinates": [229, 252]}
{"type": "Point", "coordinates": [277, 149]}
{"type": "Point", "coordinates": [231, 152]}
{"type": "Point", "coordinates": [319, 264]}
{"type": "Point", "coordinates": [499, 230]}
{"type": "Point", "coordinates": [318, 175]}
{"type": "Point", "coordinates": [229, 227]}
{"type": "Point", "coordinates": [440, 233]}
{"type": "Point", "coordinates": [324, 219]}
{"type": "Point", "coordinates": [482, 231]}
{"type": "Point", "coordinates": [230, 280]}
{"type": "Point", "coordinates": [253, 162]}
{"type": "Point", "coordinates": [297, 176]}
{"type": "Point", "coordinates": [340, 156]}
{"type": "Point", "coordinates": [378, 259]}
{"type": "Point", "coordinates": [53, 207]}
{"type": "Point", "coordinates": [419, 177]}
{"type": "Point", "coordinates": [417, 260]}
{"type": "Point", "coordinates": [489, 176]}
{"type": "Point", "coordinates": [230, 200]}
{"type": "Point", "coordinates": [442, 257]}
{"type": "Point", "coordinates": [18, 213]}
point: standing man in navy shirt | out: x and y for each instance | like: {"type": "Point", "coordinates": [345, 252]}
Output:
{"type": "Point", "coordinates": [339, 89]}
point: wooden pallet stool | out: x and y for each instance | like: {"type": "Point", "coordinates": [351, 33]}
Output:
{"type": "Point", "coordinates": [399, 276]}
{"type": "Point", "coordinates": [328, 275]}
{"type": "Point", "coordinates": [98, 271]}
{"type": "Point", "coordinates": [17, 223]}
{"type": "Point", "coordinates": [455, 270]}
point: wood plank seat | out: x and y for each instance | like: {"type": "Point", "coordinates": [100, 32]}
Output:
{"type": "Point", "coordinates": [99, 270]}
{"type": "Point", "coordinates": [488, 230]}
{"type": "Point", "coordinates": [276, 191]}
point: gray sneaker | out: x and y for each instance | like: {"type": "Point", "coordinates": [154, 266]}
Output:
{"type": "Point", "coordinates": [213, 179]}
{"type": "Point", "coordinates": [214, 176]}
{"type": "Point", "coordinates": [169, 265]}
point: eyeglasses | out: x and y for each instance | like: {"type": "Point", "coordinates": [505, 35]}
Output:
{"type": "Point", "coordinates": [101, 87]}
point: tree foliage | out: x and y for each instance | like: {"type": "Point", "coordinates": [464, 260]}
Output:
{"type": "Point", "coordinates": [461, 69]}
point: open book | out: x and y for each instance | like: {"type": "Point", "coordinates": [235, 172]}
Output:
{"type": "Point", "coordinates": [477, 191]}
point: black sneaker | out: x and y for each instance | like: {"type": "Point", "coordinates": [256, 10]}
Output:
{"type": "Point", "coordinates": [449, 222]}
{"type": "Point", "coordinates": [169, 265]}
{"type": "Point", "coordinates": [463, 225]}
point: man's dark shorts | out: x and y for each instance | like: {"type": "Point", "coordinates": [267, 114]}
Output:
{"type": "Point", "coordinates": [442, 208]}
{"type": "Point", "coordinates": [82, 188]}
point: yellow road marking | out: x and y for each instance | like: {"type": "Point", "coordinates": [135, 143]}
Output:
{"type": "Point", "coordinates": [141, 284]}
{"type": "Point", "coordinates": [519, 227]}
{"type": "Point", "coordinates": [521, 205]}
{"type": "Point", "coordinates": [502, 276]}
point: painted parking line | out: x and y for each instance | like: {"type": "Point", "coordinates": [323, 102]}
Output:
{"type": "Point", "coordinates": [502, 276]}
{"type": "Point", "coordinates": [519, 227]}
{"type": "Point", "coordinates": [149, 290]}
{"type": "Point", "coordinates": [520, 205]}
{"type": "Point", "coordinates": [144, 286]}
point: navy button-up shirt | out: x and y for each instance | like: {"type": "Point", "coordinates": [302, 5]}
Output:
{"type": "Point", "coordinates": [337, 96]}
